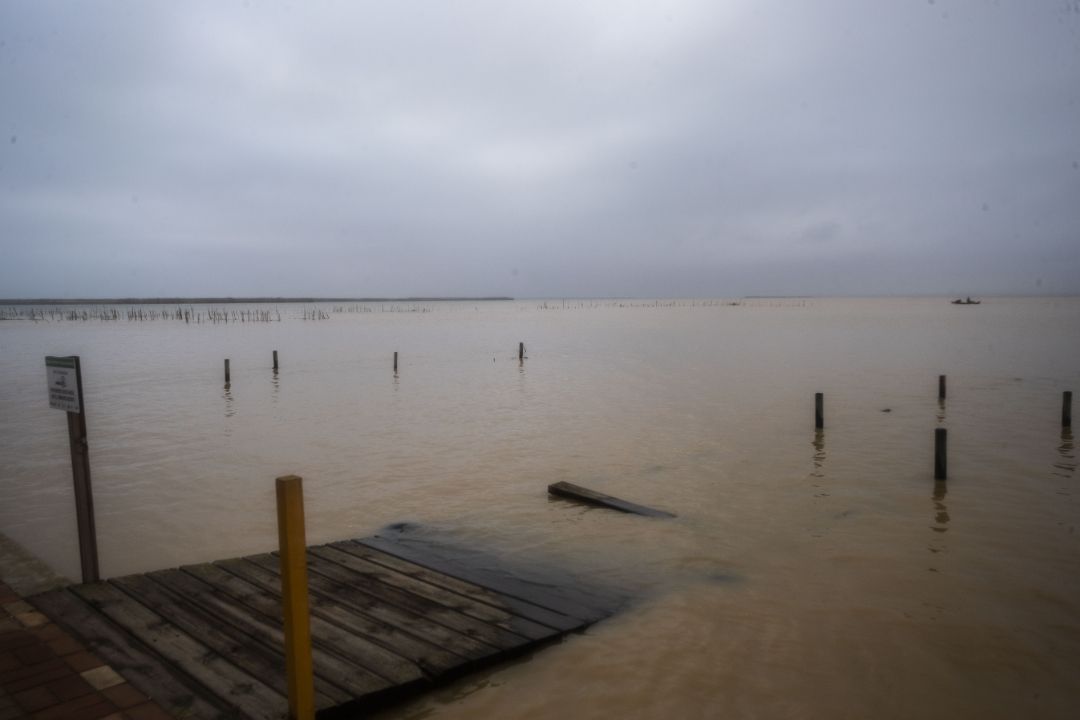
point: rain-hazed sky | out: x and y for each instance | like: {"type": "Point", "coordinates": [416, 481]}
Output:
{"type": "Point", "coordinates": [539, 149]}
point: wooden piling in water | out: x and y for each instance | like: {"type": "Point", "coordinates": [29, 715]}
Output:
{"type": "Point", "coordinates": [940, 462]}
{"type": "Point", "coordinates": [292, 550]}
{"type": "Point", "coordinates": [226, 371]}
{"type": "Point", "coordinates": [819, 410]}
{"type": "Point", "coordinates": [521, 351]}
{"type": "Point", "coordinates": [1066, 409]}
{"type": "Point", "coordinates": [940, 387]}
{"type": "Point", "coordinates": [275, 361]}
{"type": "Point", "coordinates": [395, 362]}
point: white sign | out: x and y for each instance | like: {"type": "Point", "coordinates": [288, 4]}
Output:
{"type": "Point", "coordinates": [63, 383]}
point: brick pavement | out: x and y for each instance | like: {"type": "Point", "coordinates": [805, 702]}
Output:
{"type": "Point", "coordinates": [45, 673]}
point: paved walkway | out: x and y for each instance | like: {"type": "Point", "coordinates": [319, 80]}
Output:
{"type": "Point", "coordinates": [44, 673]}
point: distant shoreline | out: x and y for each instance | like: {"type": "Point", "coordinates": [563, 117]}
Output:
{"type": "Point", "coordinates": [232, 300]}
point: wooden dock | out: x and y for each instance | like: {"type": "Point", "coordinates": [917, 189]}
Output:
{"type": "Point", "coordinates": [390, 617]}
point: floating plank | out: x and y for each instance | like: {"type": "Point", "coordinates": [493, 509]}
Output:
{"type": "Point", "coordinates": [390, 616]}
{"type": "Point", "coordinates": [591, 497]}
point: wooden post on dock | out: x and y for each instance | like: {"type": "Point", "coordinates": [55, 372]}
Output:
{"type": "Point", "coordinates": [521, 351]}
{"type": "Point", "coordinates": [226, 371]}
{"type": "Point", "coordinates": [395, 362]}
{"type": "Point", "coordinates": [1066, 409]}
{"type": "Point", "coordinates": [65, 393]}
{"type": "Point", "coordinates": [940, 387]}
{"type": "Point", "coordinates": [292, 548]}
{"type": "Point", "coordinates": [940, 460]}
{"type": "Point", "coordinates": [819, 410]}
{"type": "Point", "coordinates": [275, 361]}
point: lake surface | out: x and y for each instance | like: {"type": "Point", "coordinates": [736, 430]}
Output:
{"type": "Point", "coordinates": [806, 575]}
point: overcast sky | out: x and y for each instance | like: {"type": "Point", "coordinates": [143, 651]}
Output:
{"type": "Point", "coordinates": [539, 149]}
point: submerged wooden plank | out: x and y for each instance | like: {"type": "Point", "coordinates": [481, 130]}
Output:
{"type": "Point", "coordinates": [244, 605]}
{"type": "Point", "coordinates": [189, 655]}
{"type": "Point", "coordinates": [567, 608]}
{"type": "Point", "coordinates": [365, 648]}
{"type": "Point", "coordinates": [585, 495]}
{"type": "Point", "coordinates": [138, 663]}
{"type": "Point", "coordinates": [524, 618]}
{"type": "Point", "coordinates": [488, 629]}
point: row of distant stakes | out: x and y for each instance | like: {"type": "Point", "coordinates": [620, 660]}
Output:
{"type": "Point", "coordinates": [193, 315]}
{"type": "Point", "coordinates": [940, 434]}
{"type": "Point", "coordinates": [228, 374]}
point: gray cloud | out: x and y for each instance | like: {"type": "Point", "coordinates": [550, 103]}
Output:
{"type": "Point", "coordinates": [678, 148]}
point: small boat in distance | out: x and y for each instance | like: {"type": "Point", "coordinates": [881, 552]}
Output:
{"type": "Point", "coordinates": [969, 301]}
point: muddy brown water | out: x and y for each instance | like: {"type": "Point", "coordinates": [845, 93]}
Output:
{"type": "Point", "coordinates": [805, 576]}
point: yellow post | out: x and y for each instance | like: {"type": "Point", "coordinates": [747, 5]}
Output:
{"type": "Point", "coordinates": [294, 597]}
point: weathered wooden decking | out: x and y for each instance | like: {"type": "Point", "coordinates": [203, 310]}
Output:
{"type": "Point", "coordinates": [388, 618]}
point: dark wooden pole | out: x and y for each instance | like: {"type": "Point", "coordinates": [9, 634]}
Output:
{"type": "Point", "coordinates": [521, 351]}
{"type": "Point", "coordinates": [940, 387]}
{"type": "Point", "coordinates": [395, 362]}
{"type": "Point", "coordinates": [84, 496]}
{"type": "Point", "coordinates": [226, 371]}
{"type": "Point", "coordinates": [275, 360]}
{"type": "Point", "coordinates": [819, 410]}
{"type": "Point", "coordinates": [1066, 409]}
{"type": "Point", "coordinates": [940, 464]}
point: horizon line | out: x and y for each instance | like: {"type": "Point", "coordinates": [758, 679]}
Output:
{"type": "Point", "coordinates": [178, 300]}
{"type": "Point", "coordinates": [232, 300]}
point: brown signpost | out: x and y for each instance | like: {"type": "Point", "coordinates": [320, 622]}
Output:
{"type": "Point", "coordinates": [65, 393]}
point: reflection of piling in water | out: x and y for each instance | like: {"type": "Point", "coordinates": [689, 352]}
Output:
{"type": "Point", "coordinates": [1067, 465]}
{"type": "Point", "coordinates": [941, 511]}
{"type": "Point", "coordinates": [819, 452]}
{"type": "Point", "coordinates": [819, 410]}
{"type": "Point", "coordinates": [230, 408]}
{"type": "Point", "coordinates": [940, 468]}
{"type": "Point", "coordinates": [1066, 409]}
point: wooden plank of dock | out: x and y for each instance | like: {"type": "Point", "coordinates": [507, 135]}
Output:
{"type": "Point", "coordinates": [390, 617]}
